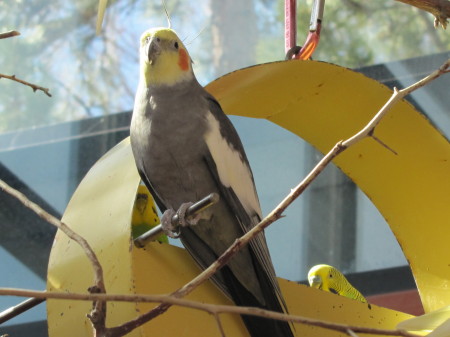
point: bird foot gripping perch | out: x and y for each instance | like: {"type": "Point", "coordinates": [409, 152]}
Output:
{"type": "Point", "coordinates": [187, 214]}
{"type": "Point", "coordinates": [172, 229]}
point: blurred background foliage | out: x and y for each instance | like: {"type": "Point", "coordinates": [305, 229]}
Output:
{"type": "Point", "coordinates": [91, 75]}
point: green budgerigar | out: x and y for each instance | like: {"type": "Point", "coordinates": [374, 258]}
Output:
{"type": "Point", "coordinates": [328, 278]}
{"type": "Point", "coordinates": [144, 215]}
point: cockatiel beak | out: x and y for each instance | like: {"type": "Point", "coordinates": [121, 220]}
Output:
{"type": "Point", "coordinates": [153, 48]}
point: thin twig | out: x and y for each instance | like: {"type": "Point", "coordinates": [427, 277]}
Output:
{"type": "Point", "coordinates": [31, 85]}
{"type": "Point", "coordinates": [11, 33]}
{"type": "Point", "coordinates": [351, 333]}
{"type": "Point", "coordinates": [99, 283]}
{"type": "Point", "coordinates": [439, 8]}
{"type": "Point", "coordinates": [396, 96]}
{"type": "Point", "coordinates": [101, 13]}
{"type": "Point", "coordinates": [214, 309]}
{"type": "Point", "coordinates": [278, 211]}
{"type": "Point", "coordinates": [219, 325]}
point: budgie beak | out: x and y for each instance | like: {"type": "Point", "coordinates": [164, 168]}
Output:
{"type": "Point", "coordinates": [315, 281]}
{"type": "Point", "coordinates": [141, 202]}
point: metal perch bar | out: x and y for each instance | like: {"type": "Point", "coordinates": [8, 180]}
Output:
{"type": "Point", "coordinates": [196, 208]}
{"type": "Point", "coordinates": [316, 15]}
{"type": "Point", "coordinates": [19, 308]}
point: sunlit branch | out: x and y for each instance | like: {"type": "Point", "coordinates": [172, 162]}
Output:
{"type": "Point", "coordinates": [439, 8]}
{"type": "Point", "coordinates": [31, 85]}
{"type": "Point", "coordinates": [214, 309]}
{"type": "Point", "coordinates": [99, 283]}
{"type": "Point", "coordinates": [11, 33]}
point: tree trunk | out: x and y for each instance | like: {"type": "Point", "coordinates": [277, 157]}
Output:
{"type": "Point", "coordinates": [234, 35]}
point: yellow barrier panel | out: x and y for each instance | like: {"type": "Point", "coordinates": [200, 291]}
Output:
{"type": "Point", "coordinates": [320, 102]}
{"type": "Point", "coordinates": [325, 103]}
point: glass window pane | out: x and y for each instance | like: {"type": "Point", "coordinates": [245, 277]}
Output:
{"type": "Point", "coordinates": [48, 144]}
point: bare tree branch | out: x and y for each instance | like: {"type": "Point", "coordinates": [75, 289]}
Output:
{"type": "Point", "coordinates": [430, 30]}
{"type": "Point", "coordinates": [219, 325]}
{"type": "Point", "coordinates": [439, 8]}
{"type": "Point", "coordinates": [396, 96]}
{"type": "Point", "coordinates": [31, 85]}
{"type": "Point", "coordinates": [11, 33]}
{"type": "Point", "coordinates": [99, 311]}
{"type": "Point", "coordinates": [214, 309]}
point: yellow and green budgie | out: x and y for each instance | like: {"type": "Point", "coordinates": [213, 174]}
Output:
{"type": "Point", "coordinates": [330, 279]}
{"type": "Point", "coordinates": [144, 215]}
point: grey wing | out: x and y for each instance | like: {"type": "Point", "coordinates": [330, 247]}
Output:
{"type": "Point", "coordinates": [138, 156]}
{"type": "Point", "coordinates": [247, 217]}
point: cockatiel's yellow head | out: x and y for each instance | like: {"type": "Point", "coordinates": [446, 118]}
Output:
{"type": "Point", "coordinates": [163, 57]}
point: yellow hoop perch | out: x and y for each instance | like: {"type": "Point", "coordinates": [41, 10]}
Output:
{"type": "Point", "coordinates": [410, 189]}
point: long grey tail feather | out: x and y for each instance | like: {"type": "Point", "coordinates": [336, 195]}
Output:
{"type": "Point", "coordinates": [225, 280]}
{"type": "Point", "coordinates": [257, 326]}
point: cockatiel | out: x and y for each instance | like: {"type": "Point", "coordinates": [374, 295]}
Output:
{"type": "Point", "coordinates": [186, 148]}
{"type": "Point", "coordinates": [330, 279]}
{"type": "Point", "coordinates": [144, 215]}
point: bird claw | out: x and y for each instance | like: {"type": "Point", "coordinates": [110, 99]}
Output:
{"type": "Point", "coordinates": [172, 230]}
{"type": "Point", "coordinates": [166, 223]}
{"type": "Point", "coordinates": [184, 220]}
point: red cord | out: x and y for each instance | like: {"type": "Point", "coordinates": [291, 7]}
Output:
{"type": "Point", "coordinates": [290, 24]}
{"type": "Point", "coordinates": [310, 44]}
{"type": "Point", "coordinates": [290, 30]}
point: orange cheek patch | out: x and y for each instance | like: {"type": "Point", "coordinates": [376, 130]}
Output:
{"type": "Point", "coordinates": [183, 60]}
